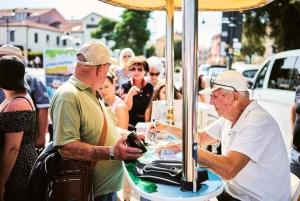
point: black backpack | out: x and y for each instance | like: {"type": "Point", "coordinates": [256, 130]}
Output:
{"type": "Point", "coordinates": [41, 173]}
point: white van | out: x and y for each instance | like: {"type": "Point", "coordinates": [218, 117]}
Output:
{"type": "Point", "coordinates": [274, 87]}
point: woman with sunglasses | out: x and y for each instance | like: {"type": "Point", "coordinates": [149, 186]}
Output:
{"type": "Point", "coordinates": [156, 70]}
{"type": "Point", "coordinates": [122, 72]}
{"type": "Point", "coordinates": [137, 92]}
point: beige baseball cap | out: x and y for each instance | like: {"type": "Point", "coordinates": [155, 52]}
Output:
{"type": "Point", "coordinates": [95, 54]}
{"type": "Point", "coordinates": [230, 80]}
{"type": "Point", "coordinates": [8, 49]}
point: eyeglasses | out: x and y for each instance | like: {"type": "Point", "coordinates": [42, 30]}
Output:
{"type": "Point", "coordinates": [154, 74]}
{"type": "Point", "coordinates": [126, 56]}
{"type": "Point", "coordinates": [212, 84]}
{"type": "Point", "coordinates": [134, 69]}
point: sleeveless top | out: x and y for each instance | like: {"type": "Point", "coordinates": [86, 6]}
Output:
{"type": "Point", "coordinates": [113, 106]}
{"type": "Point", "coordinates": [17, 121]}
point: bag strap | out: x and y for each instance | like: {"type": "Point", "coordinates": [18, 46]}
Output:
{"type": "Point", "coordinates": [102, 137]}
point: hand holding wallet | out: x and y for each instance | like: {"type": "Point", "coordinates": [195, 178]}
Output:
{"type": "Point", "coordinates": [134, 141]}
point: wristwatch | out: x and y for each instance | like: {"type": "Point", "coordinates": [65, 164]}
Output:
{"type": "Point", "coordinates": [112, 156]}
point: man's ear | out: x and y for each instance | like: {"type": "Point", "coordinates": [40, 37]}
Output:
{"type": "Point", "coordinates": [98, 70]}
{"type": "Point", "coordinates": [236, 98]}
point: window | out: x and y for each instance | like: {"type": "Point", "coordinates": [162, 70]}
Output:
{"type": "Point", "coordinates": [249, 73]}
{"type": "Point", "coordinates": [261, 76]}
{"type": "Point", "coordinates": [89, 26]}
{"type": "Point", "coordinates": [36, 38]}
{"type": "Point", "coordinates": [57, 40]}
{"type": "Point", "coordinates": [295, 80]}
{"type": "Point", "coordinates": [64, 42]}
{"type": "Point", "coordinates": [92, 19]}
{"type": "Point", "coordinates": [47, 38]}
{"type": "Point", "coordinates": [12, 36]}
{"type": "Point", "coordinates": [281, 73]}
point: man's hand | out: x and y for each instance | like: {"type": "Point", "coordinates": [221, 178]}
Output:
{"type": "Point", "coordinates": [122, 152]}
{"type": "Point", "coordinates": [40, 142]}
{"type": "Point", "coordinates": [160, 127]}
{"type": "Point", "coordinates": [173, 146]}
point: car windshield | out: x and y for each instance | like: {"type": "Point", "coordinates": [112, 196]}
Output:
{"type": "Point", "coordinates": [249, 73]}
{"type": "Point", "coordinates": [215, 71]}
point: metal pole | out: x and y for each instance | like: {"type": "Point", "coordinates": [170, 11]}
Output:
{"type": "Point", "coordinates": [169, 60]}
{"type": "Point", "coordinates": [7, 26]}
{"type": "Point", "coordinates": [190, 103]}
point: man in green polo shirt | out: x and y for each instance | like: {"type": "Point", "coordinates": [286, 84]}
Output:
{"type": "Point", "coordinates": [77, 118]}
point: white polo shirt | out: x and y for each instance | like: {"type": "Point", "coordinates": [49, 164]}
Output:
{"type": "Point", "coordinates": [257, 135]}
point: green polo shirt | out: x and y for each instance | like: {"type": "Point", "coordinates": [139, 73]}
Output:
{"type": "Point", "coordinates": [77, 116]}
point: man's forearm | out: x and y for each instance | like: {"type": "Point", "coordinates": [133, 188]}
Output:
{"type": "Point", "coordinates": [227, 166]}
{"type": "Point", "coordinates": [174, 130]}
{"type": "Point", "coordinates": [84, 152]}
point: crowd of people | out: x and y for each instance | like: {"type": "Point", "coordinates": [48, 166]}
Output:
{"type": "Point", "coordinates": [107, 94]}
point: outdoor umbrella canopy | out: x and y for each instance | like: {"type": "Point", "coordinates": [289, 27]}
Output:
{"type": "Point", "coordinates": [204, 5]}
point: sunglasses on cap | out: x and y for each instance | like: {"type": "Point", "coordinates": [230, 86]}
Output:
{"type": "Point", "coordinates": [134, 69]}
{"type": "Point", "coordinates": [126, 56]}
{"type": "Point", "coordinates": [154, 74]}
{"type": "Point", "coordinates": [211, 84]}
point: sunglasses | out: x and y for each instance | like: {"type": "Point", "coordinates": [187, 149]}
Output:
{"type": "Point", "coordinates": [126, 56]}
{"type": "Point", "coordinates": [134, 69]}
{"type": "Point", "coordinates": [212, 84]}
{"type": "Point", "coordinates": [154, 74]}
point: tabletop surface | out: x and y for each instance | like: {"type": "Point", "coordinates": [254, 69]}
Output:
{"type": "Point", "coordinates": [156, 191]}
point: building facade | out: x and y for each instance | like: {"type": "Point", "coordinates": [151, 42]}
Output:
{"type": "Point", "coordinates": [36, 29]}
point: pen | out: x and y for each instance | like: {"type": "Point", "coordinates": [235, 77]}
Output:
{"type": "Point", "coordinates": [153, 120]}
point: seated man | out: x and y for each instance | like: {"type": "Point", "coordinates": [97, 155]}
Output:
{"type": "Point", "coordinates": [254, 161]}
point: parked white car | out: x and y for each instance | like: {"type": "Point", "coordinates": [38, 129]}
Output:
{"type": "Point", "coordinates": [247, 70]}
{"type": "Point", "coordinates": [274, 87]}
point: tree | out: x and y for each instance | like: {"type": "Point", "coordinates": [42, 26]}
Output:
{"type": "Point", "coordinates": [279, 20]}
{"type": "Point", "coordinates": [251, 47]}
{"type": "Point", "coordinates": [150, 51]}
{"type": "Point", "coordinates": [177, 51]}
{"type": "Point", "coordinates": [105, 29]}
{"type": "Point", "coordinates": [132, 31]}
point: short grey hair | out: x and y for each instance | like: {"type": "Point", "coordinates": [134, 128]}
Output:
{"type": "Point", "coordinates": [156, 63]}
{"type": "Point", "coordinates": [243, 94]}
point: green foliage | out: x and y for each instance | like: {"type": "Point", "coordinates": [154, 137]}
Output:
{"type": "Point", "coordinates": [150, 51]}
{"type": "Point", "coordinates": [251, 47]}
{"type": "Point", "coordinates": [132, 31]}
{"type": "Point", "coordinates": [283, 19]}
{"type": "Point", "coordinates": [105, 29]}
{"type": "Point", "coordinates": [177, 69]}
{"type": "Point", "coordinates": [52, 53]}
{"type": "Point", "coordinates": [177, 50]}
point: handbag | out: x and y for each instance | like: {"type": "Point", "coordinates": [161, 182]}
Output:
{"type": "Point", "coordinates": [165, 172]}
{"type": "Point", "coordinates": [41, 173]}
{"type": "Point", "coordinates": [73, 179]}
{"type": "Point", "coordinates": [160, 171]}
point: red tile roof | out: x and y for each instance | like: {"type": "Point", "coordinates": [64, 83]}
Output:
{"type": "Point", "coordinates": [32, 12]}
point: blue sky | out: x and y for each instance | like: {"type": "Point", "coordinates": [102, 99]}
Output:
{"type": "Point", "coordinates": [77, 9]}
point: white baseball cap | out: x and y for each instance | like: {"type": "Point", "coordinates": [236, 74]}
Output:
{"type": "Point", "coordinates": [95, 54]}
{"type": "Point", "coordinates": [8, 49]}
{"type": "Point", "coordinates": [230, 80]}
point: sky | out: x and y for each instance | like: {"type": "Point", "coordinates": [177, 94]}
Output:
{"type": "Point", "coordinates": [77, 9]}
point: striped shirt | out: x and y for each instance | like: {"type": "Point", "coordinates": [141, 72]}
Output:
{"type": "Point", "coordinates": [77, 115]}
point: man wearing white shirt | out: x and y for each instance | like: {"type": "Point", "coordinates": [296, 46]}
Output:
{"type": "Point", "coordinates": [254, 161]}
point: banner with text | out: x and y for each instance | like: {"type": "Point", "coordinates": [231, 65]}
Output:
{"type": "Point", "coordinates": [59, 65]}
